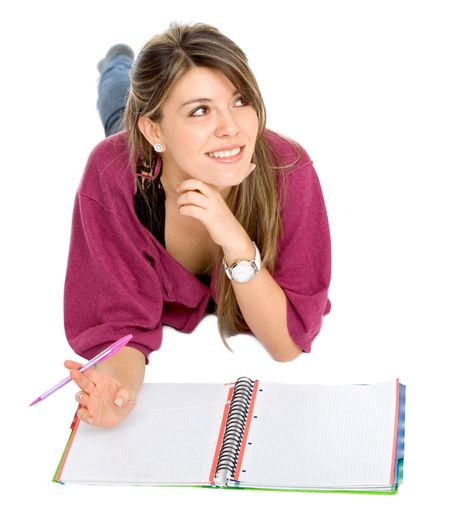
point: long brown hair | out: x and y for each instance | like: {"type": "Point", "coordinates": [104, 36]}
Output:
{"type": "Point", "coordinates": [256, 202]}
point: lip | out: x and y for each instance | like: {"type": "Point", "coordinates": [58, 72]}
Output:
{"type": "Point", "coordinates": [231, 159]}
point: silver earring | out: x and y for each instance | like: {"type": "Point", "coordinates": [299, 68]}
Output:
{"type": "Point", "coordinates": [158, 147]}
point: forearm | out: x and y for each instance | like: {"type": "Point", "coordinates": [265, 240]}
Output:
{"type": "Point", "coordinates": [264, 307]}
{"type": "Point", "coordinates": [127, 366]}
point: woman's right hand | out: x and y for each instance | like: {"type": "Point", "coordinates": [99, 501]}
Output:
{"type": "Point", "coordinates": [104, 401]}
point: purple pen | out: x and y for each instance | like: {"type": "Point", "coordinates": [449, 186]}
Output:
{"type": "Point", "coordinates": [106, 353]}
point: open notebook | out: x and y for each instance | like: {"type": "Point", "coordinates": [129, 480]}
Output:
{"type": "Point", "coordinates": [248, 434]}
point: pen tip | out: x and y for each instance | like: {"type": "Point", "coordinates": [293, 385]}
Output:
{"type": "Point", "coordinates": [34, 402]}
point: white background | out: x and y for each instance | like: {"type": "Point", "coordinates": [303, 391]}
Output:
{"type": "Point", "coordinates": [364, 87]}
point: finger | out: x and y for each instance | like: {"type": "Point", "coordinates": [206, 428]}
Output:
{"type": "Point", "coordinates": [93, 375]}
{"type": "Point", "coordinates": [194, 198]}
{"type": "Point", "coordinates": [122, 397]}
{"type": "Point", "coordinates": [83, 382]}
{"type": "Point", "coordinates": [193, 211]}
{"type": "Point", "coordinates": [194, 184]}
{"type": "Point", "coordinates": [90, 373]}
{"type": "Point", "coordinates": [70, 364]}
{"type": "Point", "coordinates": [84, 415]}
{"type": "Point", "coordinates": [82, 398]}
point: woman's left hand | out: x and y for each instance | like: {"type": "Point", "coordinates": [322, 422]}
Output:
{"type": "Point", "coordinates": [205, 203]}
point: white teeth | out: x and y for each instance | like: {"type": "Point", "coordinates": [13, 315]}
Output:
{"type": "Point", "coordinates": [225, 154]}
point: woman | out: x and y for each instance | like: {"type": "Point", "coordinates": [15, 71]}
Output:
{"type": "Point", "coordinates": [195, 208]}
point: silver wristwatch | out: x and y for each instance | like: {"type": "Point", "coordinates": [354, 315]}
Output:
{"type": "Point", "coordinates": [243, 271]}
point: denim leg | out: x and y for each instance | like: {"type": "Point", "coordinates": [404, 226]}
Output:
{"type": "Point", "coordinates": [113, 89]}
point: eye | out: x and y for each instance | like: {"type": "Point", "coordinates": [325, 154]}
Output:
{"type": "Point", "coordinates": [199, 109]}
{"type": "Point", "coordinates": [242, 100]}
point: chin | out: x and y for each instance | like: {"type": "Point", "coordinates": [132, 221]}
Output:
{"type": "Point", "coordinates": [227, 179]}
{"type": "Point", "coordinates": [226, 184]}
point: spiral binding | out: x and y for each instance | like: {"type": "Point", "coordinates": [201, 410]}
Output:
{"type": "Point", "coordinates": [235, 426]}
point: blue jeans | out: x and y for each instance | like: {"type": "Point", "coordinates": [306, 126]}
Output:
{"type": "Point", "coordinates": [113, 90]}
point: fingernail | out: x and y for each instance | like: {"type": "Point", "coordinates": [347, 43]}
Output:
{"type": "Point", "coordinates": [118, 402]}
{"type": "Point", "coordinates": [90, 420]}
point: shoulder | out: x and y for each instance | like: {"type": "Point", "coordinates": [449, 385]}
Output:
{"type": "Point", "coordinates": [108, 167]}
{"type": "Point", "coordinates": [296, 177]}
{"type": "Point", "coordinates": [286, 152]}
{"type": "Point", "coordinates": [298, 183]}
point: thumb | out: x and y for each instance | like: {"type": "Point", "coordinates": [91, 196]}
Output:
{"type": "Point", "coordinates": [70, 364]}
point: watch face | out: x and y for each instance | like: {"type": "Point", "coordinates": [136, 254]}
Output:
{"type": "Point", "coordinates": [243, 272]}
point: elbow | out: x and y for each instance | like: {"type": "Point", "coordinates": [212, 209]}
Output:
{"type": "Point", "coordinates": [289, 352]}
{"type": "Point", "coordinates": [287, 358]}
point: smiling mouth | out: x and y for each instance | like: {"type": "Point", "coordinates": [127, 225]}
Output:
{"type": "Point", "coordinates": [227, 155]}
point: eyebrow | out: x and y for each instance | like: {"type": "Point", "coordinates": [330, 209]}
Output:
{"type": "Point", "coordinates": [202, 99]}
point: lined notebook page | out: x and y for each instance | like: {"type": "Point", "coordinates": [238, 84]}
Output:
{"type": "Point", "coordinates": [319, 436]}
{"type": "Point", "coordinates": [170, 437]}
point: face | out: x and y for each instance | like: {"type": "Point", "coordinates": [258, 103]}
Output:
{"type": "Point", "coordinates": [205, 114]}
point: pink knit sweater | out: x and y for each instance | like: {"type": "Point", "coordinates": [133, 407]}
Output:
{"type": "Point", "coordinates": [120, 279]}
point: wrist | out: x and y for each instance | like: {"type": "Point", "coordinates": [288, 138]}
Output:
{"type": "Point", "coordinates": [244, 269]}
{"type": "Point", "coordinates": [243, 250]}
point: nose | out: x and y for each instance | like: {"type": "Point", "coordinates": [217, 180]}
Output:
{"type": "Point", "coordinates": [226, 124]}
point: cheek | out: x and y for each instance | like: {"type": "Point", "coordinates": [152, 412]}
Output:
{"type": "Point", "coordinates": [252, 124]}
{"type": "Point", "coordinates": [178, 136]}
{"type": "Point", "coordinates": [184, 145]}
{"type": "Point", "coordinates": [192, 141]}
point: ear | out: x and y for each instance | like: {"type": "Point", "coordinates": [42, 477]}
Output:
{"type": "Point", "coordinates": [151, 130]}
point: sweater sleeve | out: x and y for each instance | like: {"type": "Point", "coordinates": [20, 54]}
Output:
{"type": "Point", "coordinates": [111, 288]}
{"type": "Point", "coordinates": [303, 268]}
